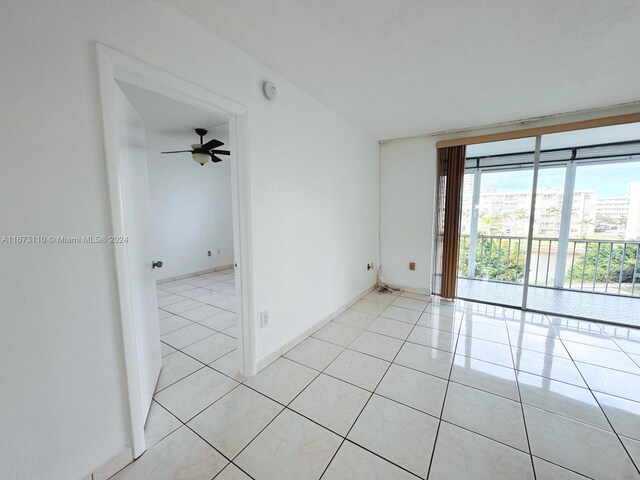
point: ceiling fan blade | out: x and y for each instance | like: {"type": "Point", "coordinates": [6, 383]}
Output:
{"type": "Point", "coordinates": [179, 151]}
{"type": "Point", "coordinates": [221, 152]}
{"type": "Point", "coordinates": [215, 159]}
{"type": "Point", "coordinates": [212, 144]}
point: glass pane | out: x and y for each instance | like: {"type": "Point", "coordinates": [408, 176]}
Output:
{"type": "Point", "coordinates": [595, 262]}
{"type": "Point", "coordinates": [495, 220]}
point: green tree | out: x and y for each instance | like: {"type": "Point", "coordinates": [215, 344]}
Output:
{"type": "Point", "coordinates": [596, 264]}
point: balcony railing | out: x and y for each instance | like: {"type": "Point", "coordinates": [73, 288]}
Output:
{"type": "Point", "coordinates": [600, 266]}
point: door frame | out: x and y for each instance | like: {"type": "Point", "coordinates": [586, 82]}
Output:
{"type": "Point", "coordinates": [115, 66]}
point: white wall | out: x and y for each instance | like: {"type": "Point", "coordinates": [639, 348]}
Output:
{"type": "Point", "coordinates": [190, 206]}
{"type": "Point", "coordinates": [407, 197]}
{"type": "Point", "coordinates": [313, 180]}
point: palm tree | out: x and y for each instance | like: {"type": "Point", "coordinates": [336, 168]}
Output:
{"type": "Point", "coordinates": [555, 212]}
{"type": "Point", "coordinates": [584, 226]}
{"type": "Point", "coordinates": [520, 215]}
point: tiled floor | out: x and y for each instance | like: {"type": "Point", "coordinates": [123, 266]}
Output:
{"type": "Point", "coordinates": [398, 387]}
{"type": "Point", "coordinates": [607, 308]}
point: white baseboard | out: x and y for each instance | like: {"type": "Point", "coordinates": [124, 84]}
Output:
{"type": "Point", "coordinates": [115, 464]}
{"type": "Point", "coordinates": [187, 275]}
{"type": "Point", "coordinates": [273, 356]}
{"type": "Point", "coordinates": [405, 288]}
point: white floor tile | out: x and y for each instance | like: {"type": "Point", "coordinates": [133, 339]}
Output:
{"type": "Point", "coordinates": [548, 366]}
{"type": "Point", "coordinates": [200, 313]}
{"type": "Point", "coordinates": [211, 348]}
{"type": "Point", "coordinates": [176, 366]}
{"type": "Point", "coordinates": [398, 433]}
{"type": "Point", "coordinates": [282, 380]}
{"type": "Point", "coordinates": [485, 376]}
{"type": "Point", "coordinates": [366, 306]}
{"type": "Point", "coordinates": [390, 328]}
{"type": "Point", "coordinates": [623, 414]}
{"type": "Point", "coordinates": [160, 423]}
{"type": "Point", "coordinates": [439, 322]}
{"type": "Point", "coordinates": [464, 455]}
{"type": "Point", "coordinates": [355, 319]}
{"type": "Point", "coordinates": [579, 447]}
{"type": "Point", "coordinates": [171, 323]}
{"type": "Point", "coordinates": [401, 314]}
{"type": "Point", "coordinates": [221, 321]}
{"type": "Point", "coordinates": [187, 335]}
{"type": "Point", "coordinates": [357, 368]}
{"type": "Point", "coordinates": [291, 447]}
{"type": "Point", "coordinates": [613, 382]}
{"type": "Point", "coordinates": [486, 414]}
{"type": "Point", "coordinates": [413, 388]}
{"type": "Point", "coordinates": [182, 306]}
{"type": "Point", "coordinates": [332, 403]}
{"type": "Point", "coordinates": [180, 455]}
{"type": "Point", "coordinates": [229, 365]}
{"type": "Point", "coordinates": [383, 298]}
{"type": "Point", "coordinates": [561, 398]}
{"type": "Point", "coordinates": [354, 463]}
{"type": "Point", "coordinates": [485, 350]}
{"type": "Point", "coordinates": [233, 421]}
{"type": "Point", "coordinates": [166, 349]}
{"type": "Point", "coordinates": [231, 472]}
{"type": "Point", "coordinates": [428, 360]}
{"type": "Point", "coordinates": [194, 393]}
{"type": "Point", "coordinates": [314, 353]}
{"type": "Point", "coordinates": [376, 345]}
{"type": "Point", "coordinates": [548, 471]}
{"type": "Point", "coordinates": [410, 303]}
{"type": "Point", "coordinates": [431, 337]}
{"type": "Point", "coordinates": [337, 333]}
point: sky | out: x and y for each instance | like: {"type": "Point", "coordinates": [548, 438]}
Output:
{"type": "Point", "coordinates": [606, 180]}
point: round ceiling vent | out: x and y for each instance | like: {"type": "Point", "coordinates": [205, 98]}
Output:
{"type": "Point", "coordinates": [269, 90]}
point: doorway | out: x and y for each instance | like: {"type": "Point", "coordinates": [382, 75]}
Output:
{"type": "Point", "coordinates": [202, 231]}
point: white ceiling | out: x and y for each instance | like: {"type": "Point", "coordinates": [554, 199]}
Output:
{"type": "Point", "coordinates": [406, 67]}
{"type": "Point", "coordinates": [164, 115]}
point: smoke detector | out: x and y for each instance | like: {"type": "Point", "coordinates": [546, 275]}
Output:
{"type": "Point", "coordinates": [269, 90]}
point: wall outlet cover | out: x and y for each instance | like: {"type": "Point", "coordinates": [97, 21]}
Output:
{"type": "Point", "coordinates": [264, 319]}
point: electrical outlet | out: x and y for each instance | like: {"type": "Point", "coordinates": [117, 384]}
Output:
{"type": "Point", "coordinates": [209, 253]}
{"type": "Point", "coordinates": [370, 266]}
{"type": "Point", "coordinates": [264, 319]}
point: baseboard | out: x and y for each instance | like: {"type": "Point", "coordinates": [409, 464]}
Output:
{"type": "Point", "coordinates": [199, 272]}
{"type": "Point", "coordinates": [405, 288]}
{"type": "Point", "coordinates": [114, 465]}
{"type": "Point", "coordinates": [273, 356]}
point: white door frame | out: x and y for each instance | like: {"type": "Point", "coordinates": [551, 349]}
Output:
{"type": "Point", "coordinates": [114, 66]}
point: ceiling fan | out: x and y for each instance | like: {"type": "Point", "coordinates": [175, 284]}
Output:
{"type": "Point", "coordinates": [203, 152]}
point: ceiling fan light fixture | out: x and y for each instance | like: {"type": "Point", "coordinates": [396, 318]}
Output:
{"type": "Point", "coordinates": [201, 158]}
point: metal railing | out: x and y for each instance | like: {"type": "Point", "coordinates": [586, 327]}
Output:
{"type": "Point", "coordinates": [599, 266]}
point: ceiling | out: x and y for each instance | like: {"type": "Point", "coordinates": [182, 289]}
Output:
{"type": "Point", "coordinates": [164, 115]}
{"type": "Point", "coordinates": [407, 67]}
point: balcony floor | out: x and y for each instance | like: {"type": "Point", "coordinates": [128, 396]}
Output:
{"type": "Point", "coordinates": [608, 308]}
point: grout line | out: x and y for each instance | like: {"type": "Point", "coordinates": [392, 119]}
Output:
{"type": "Point", "coordinates": [524, 419]}
{"type": "Point", "coordinates": [598, 403]}
{"type": "Point", "coordinates": [444, 402]}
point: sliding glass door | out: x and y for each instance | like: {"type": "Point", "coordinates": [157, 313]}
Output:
{"type": "Point", "coordinates": [579, 254]}
{"type": "Point", "coordinates": [496, 205]}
